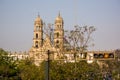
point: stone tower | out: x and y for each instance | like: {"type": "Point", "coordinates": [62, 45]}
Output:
{"type": "Point", "coordinates": [59, 32]}
{"type": "Point", "coordinates": [38, 33]}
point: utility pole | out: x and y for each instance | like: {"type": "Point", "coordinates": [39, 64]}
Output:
{"type": "Point", "coordinates": [48, 66]}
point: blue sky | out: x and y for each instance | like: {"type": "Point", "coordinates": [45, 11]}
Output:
{"type": "Point", "coordinates": [17, 20]}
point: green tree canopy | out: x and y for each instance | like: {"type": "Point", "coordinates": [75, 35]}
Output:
{"type": "Point", "coordinates": [8, 68]}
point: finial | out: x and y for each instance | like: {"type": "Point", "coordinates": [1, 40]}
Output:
{"type": "Point", "coordinates": [59, 13]}
{"type": "Point", "coordinates": [38, 14]}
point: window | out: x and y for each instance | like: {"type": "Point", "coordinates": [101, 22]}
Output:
{"type": "Point", "coordinates": [36, 44]}
{"type": "Point", "coordinates": [36, 35]}
{"type": "Point", "coordinates": [57, 35]}
{"type": "Point", "coordinates": [57, 41]}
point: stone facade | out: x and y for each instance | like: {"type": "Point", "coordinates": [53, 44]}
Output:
{"type": "Point", "coordinates": [41, 44]}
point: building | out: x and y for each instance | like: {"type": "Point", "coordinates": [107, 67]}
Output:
{"type": "Point", "coordinates": [18, 55]}
{"type": "Point", "coordinates": [42, 41]}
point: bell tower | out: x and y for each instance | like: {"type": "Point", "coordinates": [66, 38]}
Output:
{"type": "Point", "coordinates": [38, 32]}
{"type": "Point", "coordinates": [59, 32]}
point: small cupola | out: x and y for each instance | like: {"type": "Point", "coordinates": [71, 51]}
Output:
{"type": "Point", "coordinates": [59, 19]}
{"type": "Point", "coordinates": [38, 20]}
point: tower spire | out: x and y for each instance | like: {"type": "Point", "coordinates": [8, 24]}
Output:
{"type": "Point", "coordinates": [38, 14]}
{"type": "Point", "coordinates": [59, 14]}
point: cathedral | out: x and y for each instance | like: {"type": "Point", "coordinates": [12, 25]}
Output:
{"type": "Point", "coordinates": [42, 42]}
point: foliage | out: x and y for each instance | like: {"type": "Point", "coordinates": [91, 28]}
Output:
{"type": "Point", "coordinates": [80, 37]}
{"type": "Point", "coordinates": [28, 71]}
{"type": "Point", "coordinates": [8, 68]}
{"type": "Point", "coordinates": [68, 71]}
{"type": "Point", "coordinates": [113, 68]}
{"type": "Point", "coordinates": [60, 70]}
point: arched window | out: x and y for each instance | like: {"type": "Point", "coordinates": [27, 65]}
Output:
{"type": "Point", "coordinates": [36, 44]}
{"type": "Point", "coordinates": [57, 34]}
{"type": "Point", "coordinates": [57, 41]}
{"type": "Point", "coordinates": [36, 35]}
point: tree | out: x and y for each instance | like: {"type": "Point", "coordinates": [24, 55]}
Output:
{"type": "Point", "coordinates": [65, 71]}
{"type": "Point", "coordinates": [117, 53]}
{"type": "Point", "coordinates": [79, 38]}
{"type": "Point", "coordinates": [114, 66]}
{"type": "Point", "coordinates": [28, 70]}
{"type": "Point", "coordinates": [8, 68]}
{"type": "Point", "coordinates": [60, 70]}
{"type": "Point", "coordinates": [78, 41]}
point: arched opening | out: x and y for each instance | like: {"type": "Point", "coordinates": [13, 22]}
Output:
{"type": "Point", "coordinates": [57, 41]}
{"type": "Point", "coordinates": [36, 44]}
{"type": "Point", "coordinates": [57, 34]}
{"type": "Point", "coordinates": [36, 35]}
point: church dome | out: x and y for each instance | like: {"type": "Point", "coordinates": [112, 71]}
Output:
{"type": "Point", "coordinates": [59, 19]}
{"type": "Point", "coordinates": [38, 20]}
